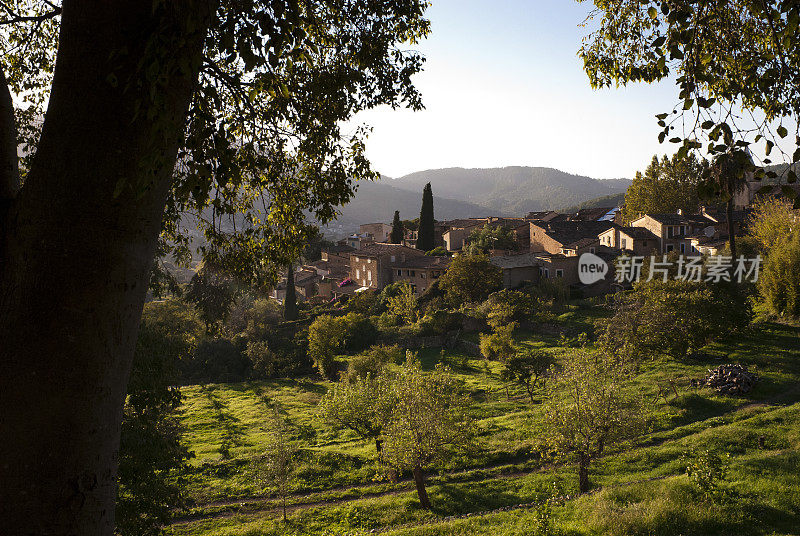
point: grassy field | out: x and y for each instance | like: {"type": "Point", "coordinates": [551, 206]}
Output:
{"type": "Point", "coordinates": [640, 488]}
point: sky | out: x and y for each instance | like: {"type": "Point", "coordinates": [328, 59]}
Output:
{"type": "Point", "coordinates": [503, 86]}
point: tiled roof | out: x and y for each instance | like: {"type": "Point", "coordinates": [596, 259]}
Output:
{"type": "Point", "coordinates": [379, 249]}
{"type": "Point", "coordinates": [638, 233]}
{"type": "Point", "coordinates": [523, 260]}
{"type": "Point", "coordinates": [339, 248]}
{"type": "Point", "coordinates": [591, 214]}
{"type": "Point", "coordinates": [582, 243]}
{"type": "Point", "coordinates": [568, 232]}
{"type": "Point", "coordinates": [424, 261]}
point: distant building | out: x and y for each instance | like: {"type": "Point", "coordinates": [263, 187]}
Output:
{"type": "Point", "coordinates": [371, 266]}
{"type": "Point", "coordinates": [379, 232]}
{"type": "Point", "coordinates": [632, 240]}
{"type": "Point", "coordinates": [552, 237]}
{"type": "Point", "coordinates": [518, 270]}
{"type": "Point", "coordinates": [420, 271]}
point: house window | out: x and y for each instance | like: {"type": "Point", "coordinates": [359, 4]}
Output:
{"type": "Point", "coordinates": [623, 243]}
{"type": "Point", "coordinates": [591, 250]}
{"type": "Point", "coordinates": [369, 276]}
{"type": "Point", "coordinates": [644, 243]}
{"type": "Point", "coordinates": [683, 248]}
{"type": "Point", "coordinates": [399, 272]}
{"type": "Point", "coordinates": [670, 247]}
{"type": "Point", "coordinates": [670, 232]}
{"type": "Point", "coordinates": [422, 275]}
{"type": "Point", "coordinates": [559, 273]}
{"type": "Point", "coordinates": [413, 273]}
{"type": "Point", "coordinates": [358, 273]}
{"type": "Point", "coordinates": [392, 258]}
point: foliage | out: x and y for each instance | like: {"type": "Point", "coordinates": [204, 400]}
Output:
{"type": "Point", "coordinates": [329, 336]}
{"type": "Point", "coordinates": [262, 359]}
{"type": "Point", "coordinates": [362, 404]}
{"type": "Point", "coordinates": [439, 322]}
{"type": "Point", "coordinates": [254, 317]}
{"type": "Point", "coordinates": [325, 339]}
{"type": "Point", "coordinates": [425, 235]}
{"type": "Point", "coordinates": [365, 303]}
{"type": "Point", "coordinates": [373, 361]}
{"type": "Point", "coordinates": [404, 304]}
{"type": "Point", "coordinates": [213, 292]}
{"type": "Point", "coordinates": [429, 422]}
{"type": "Point", "coordinates": [756, 65]}
{"type": "Point", "coordinates": [707, 470]}
{"type": "Point", "coordinates": [488, 237]}
{"type": "Point", "coordinates": [552, 291]}
{"type": "Point", "coordinates": [216, 360]}
{"type": "Point", "coordinates": [438, 251]}
{"type": "Point", "coordinates": [589, 409]}
{"type": "Point", "coordinates": [666, 186]}
{"type": "Point", "coordinates": [280, 459]}
{"type": "Point", "coordinates": [470, 278]}
{"type": "Point", "coordinates": [779, 284]}
{"type": "Point", "coordinates": [257, 134]}
{"type": "Point", "coordinates": [509, 306]}
{"type": "Point", "coordinates": [151, 455]}
{"type": "Point", "coordinates": [499, 344]}
{"type": "Point", "coordinates": [527, 368]}
{"type": "Point", "coordinates": [672, 318]}
{"type": "Point", "coordinates": [397, 229]}
{"type": "Point", "coordinates": [771, 221]}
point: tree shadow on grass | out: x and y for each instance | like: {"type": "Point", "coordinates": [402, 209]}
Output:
{"type": "Point", "coordinates": [452, 499]}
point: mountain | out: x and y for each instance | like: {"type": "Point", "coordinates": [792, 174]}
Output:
{"type": "Point", "coordinates": [376, 202]}
{"type": "Point", "coordinates": [512, 190]}
{"type": "Point", "coordinates": [613, 200]}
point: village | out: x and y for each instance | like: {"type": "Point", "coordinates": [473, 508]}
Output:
{"type": "Point", "coordinates": [545, 245]}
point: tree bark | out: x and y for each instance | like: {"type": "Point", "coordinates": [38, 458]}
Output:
{"type": "Point", "coordinates": [419, 480]}
{"type": "Point", "coordinates": [583, 472]}
{"type": "Point", "coordinates": [80, 238]}
{"type": "Point", "coordinates": [731, 229]}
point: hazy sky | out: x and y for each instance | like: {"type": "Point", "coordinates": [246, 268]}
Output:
{"type": "Point", "coordinates": [503, 86]}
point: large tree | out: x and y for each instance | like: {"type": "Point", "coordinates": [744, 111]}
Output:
{"type": "Point", "coordinates": [666, 186]}
{"type": "Point", "coordinates": [726, 57]}
{"type": "Point", "coordinates": [155, 110]}
{"type": "Point", "coordinates": [425, 235]}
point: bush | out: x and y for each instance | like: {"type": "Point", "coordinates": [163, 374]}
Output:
{"type": "Point", "coordinates": [365, 303]}
{"type": "Point", "coordinates": [673, 318]}
{"type": "Point", "coordinates": [216, 360]}
{"type": "Point", "coordinates": [373, 361]}
{"type": "Point", "coordinates": [507, 306]}
{"type": "Point", "coordinates": [262, 359]}
{"type": "Point", "coordinates": [499, 344]}
{"type": "Point", "coordinates": [779, 285]}
{"type": "Point", "coordinates": [329, 336]}
{"type": "Point", "coordinates": [440, 322]}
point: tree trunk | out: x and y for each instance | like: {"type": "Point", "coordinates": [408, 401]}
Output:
{"type": "Point", "coordinates": [419, 480]}
{"type": "Point", "coordinates": [583, 472]}
{"type": "Point", "coordinates": [78, 247]}
{"type": "Point", "coordinates": [378, 445]}
{"type": "Point", "coordinates": [284, 508]}
{"type": "Point", "coordinates": [731, 229]}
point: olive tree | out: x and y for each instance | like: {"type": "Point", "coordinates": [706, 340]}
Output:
{"type": "Point", "coordinates": [589, 407]}
{"type": "Point", "coordinates": [279, 459]}
{"type": "Point", "coordinates": [363, 406]}
{"type": "Point", "coordinates": [138, 120]}
{"type": "Point", "coordinates": [428, 423]}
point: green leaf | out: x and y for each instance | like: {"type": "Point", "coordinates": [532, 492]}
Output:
{"type": "Point", "coordinates": [653, 12]}
{"type": "Point", "coordinates": [782, 132]}
{"type": "Point", "coordinates": [788, 191]}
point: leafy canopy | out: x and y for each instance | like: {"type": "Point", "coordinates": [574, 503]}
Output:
{"type": "Point", "coordinates": [725, 56]}
{"type": "Point", "coordinates": [263, 144]}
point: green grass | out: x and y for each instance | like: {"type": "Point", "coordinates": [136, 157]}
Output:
{"type": "Point", "coordinates": [641, 489]}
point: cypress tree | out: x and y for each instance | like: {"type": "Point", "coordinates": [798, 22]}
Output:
{"type": "Point", "coordinates": [397, 229]}
{"type": "Point", "coordinates": [290, 300]}
{"type": "Point", "coordinates": [426, 221]}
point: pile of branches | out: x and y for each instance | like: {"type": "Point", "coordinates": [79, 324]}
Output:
{"type": "Point", "coordinates": [730, 379]}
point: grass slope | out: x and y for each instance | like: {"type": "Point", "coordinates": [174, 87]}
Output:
{"type": "Point", "coordinates": [639, 487]}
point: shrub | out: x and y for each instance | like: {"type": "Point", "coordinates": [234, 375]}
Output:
{"type": "Point", "coordinates": [373, 361]}
{"type": "Point", "coordinates": [499, 344]}
{"type": "Point", "coordinates": [779, 285]}
{"type": "Point", "coordinates": [404, 304]}
{"type": "Point", "coordinates": [217, 360]}
{"type": "Point", "coordinates": [672, 318]}
{"type": "Point", "coordinates": [329, 336]}
{"type": "Point", "coordinates": [507, 306]}
{"type": "Point", "coordinates": [707, 470]}
{"type": "Point", "coordinates": [262, 359]}
{"type": "Point", "coordinates": [365, 303]}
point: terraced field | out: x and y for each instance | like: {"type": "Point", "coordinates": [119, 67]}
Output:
{"type": "Point", "coordinates": [639, 488]}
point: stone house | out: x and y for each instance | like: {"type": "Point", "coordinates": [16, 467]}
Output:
{"type": "Point", "coordinates": [371, 266]}
{"type": "Point", "coordinates": [379, 232]}
{"type": "Point", "coordinates": [675, 231]}
{"type": "Point", "coordinates": [518, 270]}
{"type": "Point", "coordinates": [638, 241]}
{"type": "Point", "coordinates": [419, 271]}
{"type": "Point", "coordinates": [553, 237]}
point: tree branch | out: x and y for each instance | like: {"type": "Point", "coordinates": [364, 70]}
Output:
{"type": "Point", "coordinates": [32, 18]}
{"type": "Point", "coordinates": [9, 162]}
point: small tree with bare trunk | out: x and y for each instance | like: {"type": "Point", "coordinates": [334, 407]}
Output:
{"type": "Point", "coordinates": [279, 459]}
{"type": "Point", "coordinates": [428, 424]}
{"type": "Point", "coordinates": [588, 408]}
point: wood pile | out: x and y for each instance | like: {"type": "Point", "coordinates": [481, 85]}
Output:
{"type": "Point", "coordinates": [730, 379]}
